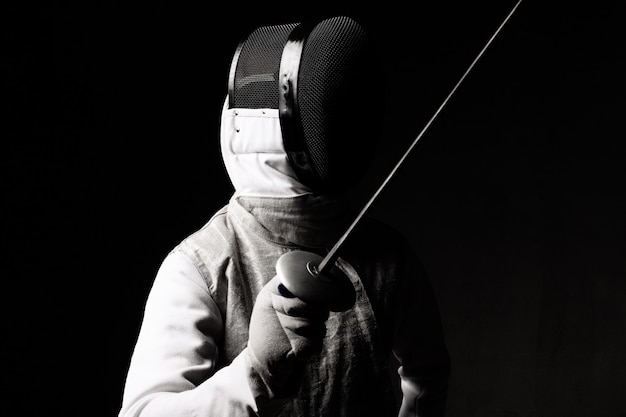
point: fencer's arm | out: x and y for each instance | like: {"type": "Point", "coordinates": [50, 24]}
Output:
{"type": "Point", "coordinates": [420, 348]}
{"type": "Point", "coordinates": [173, 367]}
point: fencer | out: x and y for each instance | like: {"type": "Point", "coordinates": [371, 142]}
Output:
{"type": "Point", "coordinates": [221, 335]}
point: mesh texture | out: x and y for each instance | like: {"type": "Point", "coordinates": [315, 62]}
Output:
{"type": "Point", "coordinates": [339, 84]}
{"type": "Point", "coordinates": [256, 76]}
{"type": "Point", "coordinates": [332, 90]}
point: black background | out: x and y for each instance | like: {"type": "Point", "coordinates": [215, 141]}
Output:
{"type": "Point", "coordinates": [514, 198]}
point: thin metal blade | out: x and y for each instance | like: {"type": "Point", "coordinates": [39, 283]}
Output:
{"type": "Point", "coordinates": [332, 255]}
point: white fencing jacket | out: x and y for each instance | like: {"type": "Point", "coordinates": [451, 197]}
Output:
{"type": "Point", "coordinates": [189, 356]}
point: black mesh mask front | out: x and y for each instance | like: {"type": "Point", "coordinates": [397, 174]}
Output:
{"type": "Point", "coordinates": [326, 82]}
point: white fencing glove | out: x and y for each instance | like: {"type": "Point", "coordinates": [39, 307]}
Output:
{"type": "Point", "coordinates": [284, 333]}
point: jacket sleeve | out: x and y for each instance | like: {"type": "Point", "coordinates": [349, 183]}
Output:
{"type": "Point", "coordinates": [420, 347]}
{"type": "Point", "coordinates": [172, 370]}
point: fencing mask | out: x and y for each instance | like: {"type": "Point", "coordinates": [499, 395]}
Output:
{"type": "Point", "coordinates": [325, 81]}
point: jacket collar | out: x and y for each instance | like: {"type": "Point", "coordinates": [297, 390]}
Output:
{"type": "Point", "coordinates": [309, 220]}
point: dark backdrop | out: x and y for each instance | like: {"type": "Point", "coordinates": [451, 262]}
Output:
{"type": "Point", "coordinates": [514, 198]}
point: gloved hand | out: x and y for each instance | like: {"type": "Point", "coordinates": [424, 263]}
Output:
{"type": "Point", "coordinates": [284, 332]}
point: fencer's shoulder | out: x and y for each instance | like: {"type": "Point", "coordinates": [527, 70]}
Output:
{"type": "Point", "coordinates": [209, 249]}
{"type": "Point", "coordinates": [209, 243]}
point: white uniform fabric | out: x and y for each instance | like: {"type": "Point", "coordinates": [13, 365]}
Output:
{"type": "Point", "coordinates": [189, 358]}
{"type": "Point", "coordinates": [254, 155]}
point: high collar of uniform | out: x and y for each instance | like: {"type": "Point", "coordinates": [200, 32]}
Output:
{"type": "Point", "coordinates": [309, 220]}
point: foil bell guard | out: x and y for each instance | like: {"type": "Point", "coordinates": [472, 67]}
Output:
{"type": "Point", "coordinates": [299, 273]}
